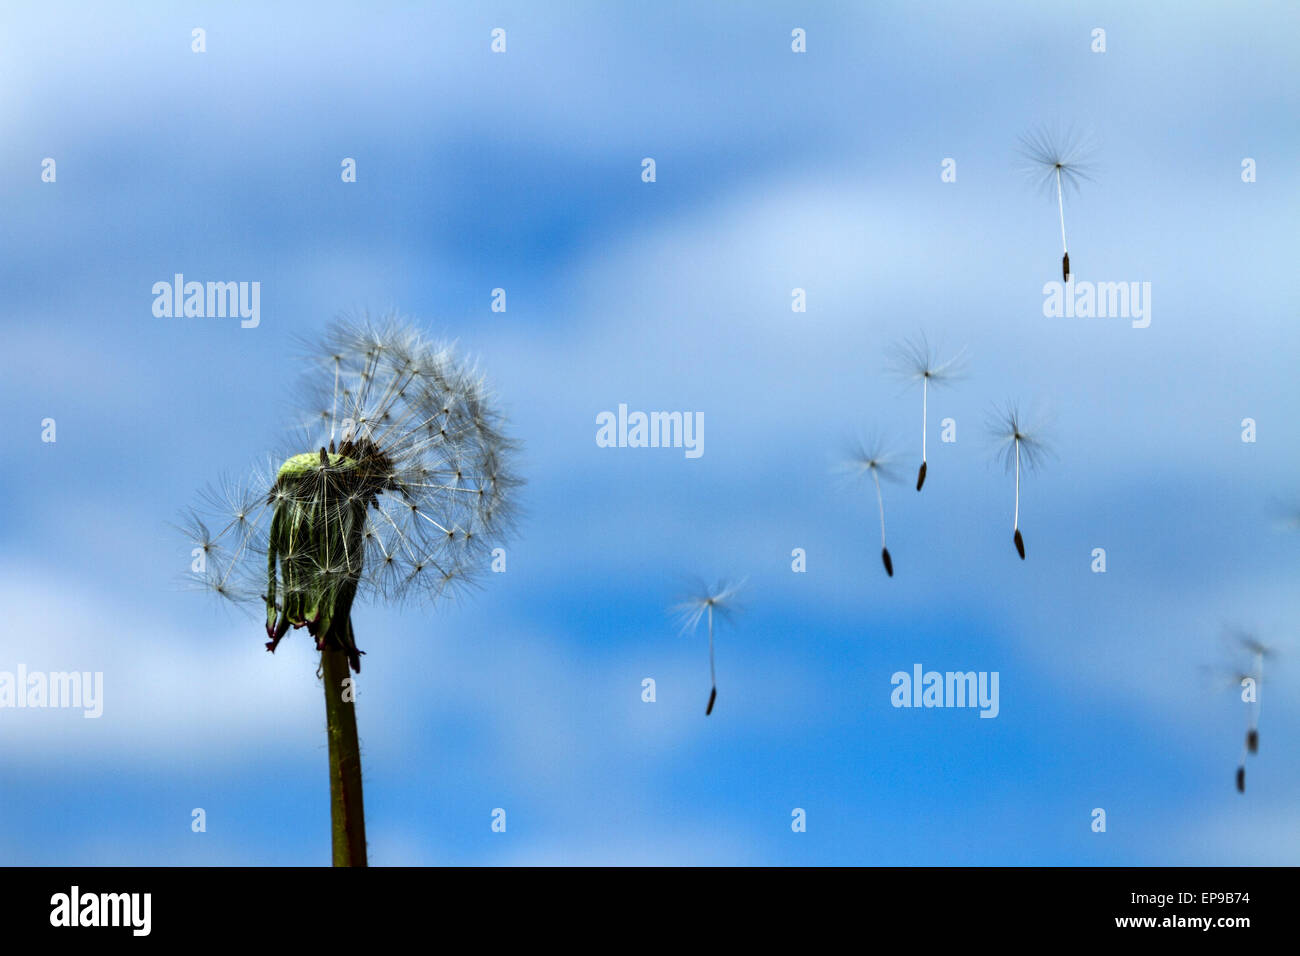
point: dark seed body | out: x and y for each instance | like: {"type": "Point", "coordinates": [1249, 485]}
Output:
{"type": "Point", "coordinates": [1020, 545]}
{"type": "Point", "coordinates": [920, 477]}
{"type": "Point", "coordinates": [1241, 779]}
{"type": "Point", "coordinates": [1252, 741]}
{"type": "Point", "coordinates": [713, 695]}
{"type": "Point", "coordinates": [1065, 268]}
{"type": "Point", "coordinates": [889, 562]}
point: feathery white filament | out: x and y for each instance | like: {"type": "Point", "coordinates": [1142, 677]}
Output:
{"type": "Point", "coordinates": [334, 404]}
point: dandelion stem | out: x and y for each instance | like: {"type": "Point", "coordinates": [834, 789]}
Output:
{"type": "Point", "coordinates": [1252, 730]}
{"type": "Point", "coordinates": [1060, 205]}
{"type": "Point", "coordinates": [925, 397]}
{"type": "Point", "coordinates": [880, 503]}
{"type": "Point", "coordinates": [1065, 251]}
{"type": "Point", "coordinates": [713, 677]}
{"type": "Point", "coordinates": [925, 392]}
{"type": "Point", "coordinates": [1016, 537]}
{"type": "Point", "coordinates": [1015, 523]}
{"type": "Point", "coordinates": [347, 814]}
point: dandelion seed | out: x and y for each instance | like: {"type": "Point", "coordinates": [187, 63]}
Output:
{"type": "Point", "coordinates": [1018, 446]}
{"type": "Point", "coordinates": [1058, 161]}
{"type": "Point", "coordinates": [366, 502]}
{"type": "Point", "coordinates": [869, 458]}
{"type": "Point", "coordinates": [1243, 643]}
{"type": "Point", "coordinates": [914, 360]}
{"type": "Point", "coordinates": [706, 602]}
{"type": "Point", "coordinates": [1256, 652]}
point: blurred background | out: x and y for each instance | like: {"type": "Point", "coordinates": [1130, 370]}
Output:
{"type": "Point", "coordinates": [775, 170]}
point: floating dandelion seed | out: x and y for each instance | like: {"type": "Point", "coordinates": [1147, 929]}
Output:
{"type": "Point", "coordinates": [1249, 679]}
{"type": "Point", "coordinates": [1057, 162]}
{"type": "Point", "coordinates": [719, 600]}
{"type": "Point", "coordinates": [1018, 447]}
{"type": "Point", "coordinates": [1240, 680]}
{"type": "Point", "coordinates": [394, 490]}
{"type": "Point", "coordinates": [1248, 682]}
{"type": "Point", "coordinates": [869, 458]}
{"type": "Point", "coordinates": [914, 360]}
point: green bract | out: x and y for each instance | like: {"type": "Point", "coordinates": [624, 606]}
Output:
{"type": "Point", "coordinates": [316, 536]}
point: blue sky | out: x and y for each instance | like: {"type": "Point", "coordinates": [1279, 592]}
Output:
{"type": "Point", "coordinates": [775, 170]}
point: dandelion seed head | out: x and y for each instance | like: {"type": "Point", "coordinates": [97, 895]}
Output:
{"type": "Point", "coordinates": [915, 358]}
{"type": "Point", "coordinates": [720, 598]}
{"type": "Point", "coordinates": [400, 455]}
{"type": "Point", "coordinates": [1048, 152]}
{"type": "Point", "coordinates": [870, 456]}
{"type": "Point", "coordinates": [1240, 639]}
{"type": "Point", "coordinates": [1010, 428]}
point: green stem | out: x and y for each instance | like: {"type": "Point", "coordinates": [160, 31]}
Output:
{"type": "Point", "coordinates": [347, 815]}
